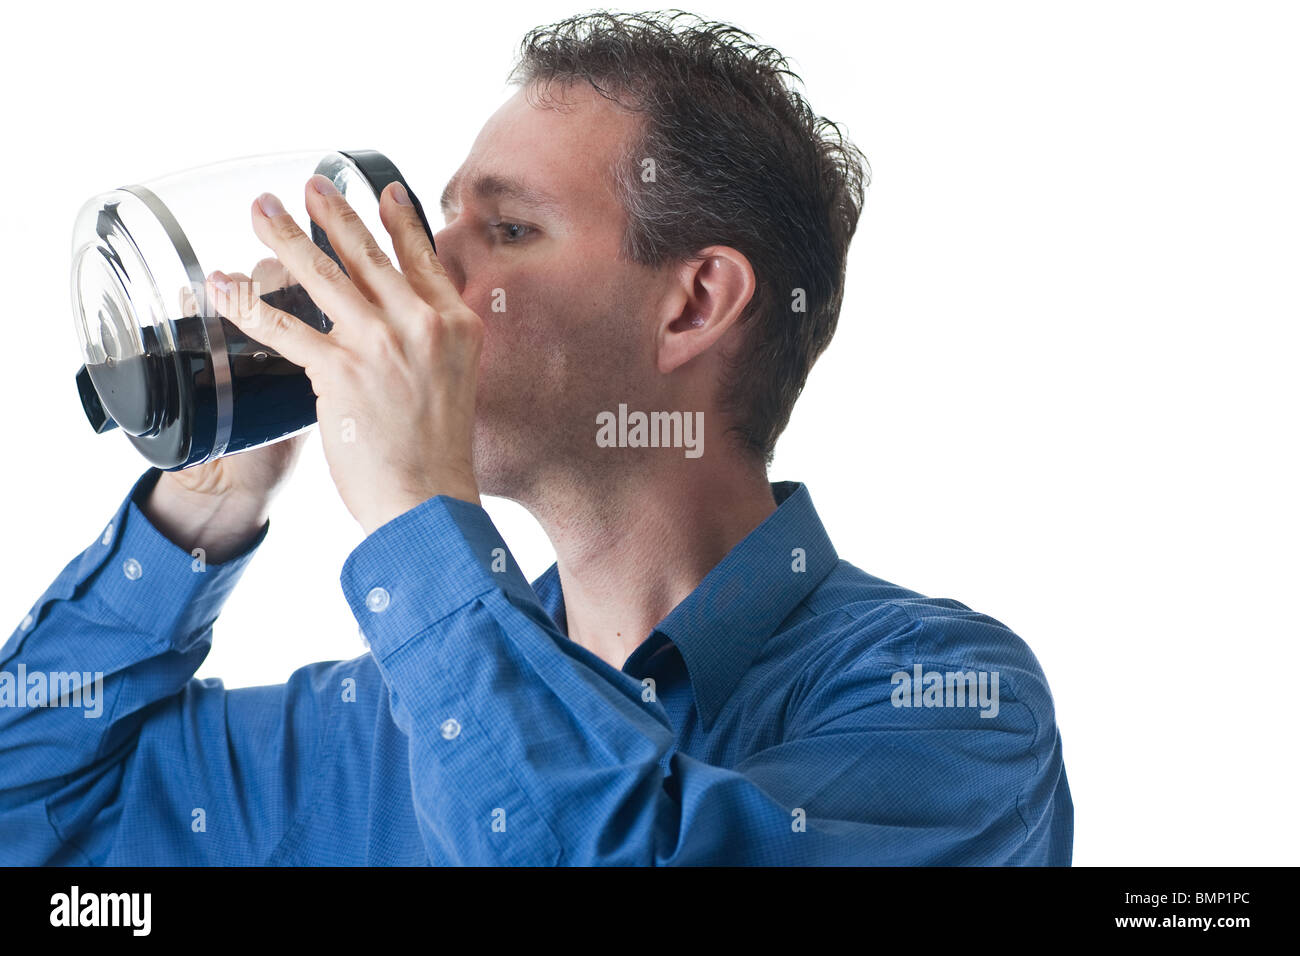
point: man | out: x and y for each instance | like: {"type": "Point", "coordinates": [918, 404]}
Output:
{"type": "Point", "coordinates": [698, 679]}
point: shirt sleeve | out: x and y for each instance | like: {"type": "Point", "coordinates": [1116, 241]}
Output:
{"type": "Point", "coordinates": [105, 735]}
{"type": "Point", "coordinates": [527, 749]}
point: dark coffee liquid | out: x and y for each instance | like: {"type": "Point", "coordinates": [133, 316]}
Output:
{"type": "Point", "coordinates": [270, 396]}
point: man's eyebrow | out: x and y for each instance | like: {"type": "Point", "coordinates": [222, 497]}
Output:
{"type": "Point", "coordinates": [491, 186]}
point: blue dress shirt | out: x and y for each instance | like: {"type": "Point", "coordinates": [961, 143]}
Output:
{"type": "Point", "coordinates": [791, 710]}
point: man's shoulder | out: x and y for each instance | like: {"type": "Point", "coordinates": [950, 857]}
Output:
{"type": "Point", "coordinates": [856, 621]}
{"type": "Point", "coordinates": [944, 698]}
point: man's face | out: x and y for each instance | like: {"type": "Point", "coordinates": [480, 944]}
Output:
{"type": "Point", "coordinates": [532, 238]}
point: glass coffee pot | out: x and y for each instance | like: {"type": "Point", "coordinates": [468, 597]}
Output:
{"type": "Point", "coordinates": [183, 383]}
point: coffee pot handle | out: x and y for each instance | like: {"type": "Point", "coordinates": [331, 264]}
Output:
{"type": "Point", "coordinates": [91, 405]}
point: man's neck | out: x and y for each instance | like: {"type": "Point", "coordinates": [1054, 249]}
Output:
{"type": "Point", "coordinates": [630, 553]}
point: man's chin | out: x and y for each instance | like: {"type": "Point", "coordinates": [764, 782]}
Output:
{"type": "Point", "coordinates": [504, 467]}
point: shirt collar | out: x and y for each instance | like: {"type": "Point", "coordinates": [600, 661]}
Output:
{"type": "Point", "coordinates": [720, 627]}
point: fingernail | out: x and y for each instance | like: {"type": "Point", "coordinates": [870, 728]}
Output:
{"type": "Point", "coordinates": [400, 194]}
{"type": "Point", "coordinates": [270, 206]}
{"type": "Point", "coordinates": [221, 282]}
{"type": "Point", "coordinates": [324, 185]}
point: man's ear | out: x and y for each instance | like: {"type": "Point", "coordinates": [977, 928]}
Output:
{"type": "Point", "coordinates": [708, 297]}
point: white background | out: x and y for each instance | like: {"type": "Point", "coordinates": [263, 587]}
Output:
{"type": "Point", "coordinates": [1063, 391]}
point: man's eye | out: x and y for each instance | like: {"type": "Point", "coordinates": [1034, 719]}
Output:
{"type": "Point", "coordinates": [511, 232]}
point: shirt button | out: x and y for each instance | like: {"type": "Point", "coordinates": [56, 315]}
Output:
{"type": "Point", "coordinates": [27, 622]}
{"type": "Point", "coordinates": [377, 600]}
{"type": "Point", "coordinates": [131, 568]}
{"type": "Point", "coordinates": [108, 535]}
{"type": "Point", "coordinates": [450, 728]}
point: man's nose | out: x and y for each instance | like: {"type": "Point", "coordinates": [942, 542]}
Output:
{"type": "Point", "coordinates": [445, 243]}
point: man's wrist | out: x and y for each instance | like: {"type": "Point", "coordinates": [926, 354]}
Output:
{"type": "Point", "coordinates": [424, 564]}
{"type": "Point", "coordinates": [459, 486]}
{"type": "Point", "coordinates": [222, 525]}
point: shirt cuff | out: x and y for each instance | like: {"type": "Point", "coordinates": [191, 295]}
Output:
{"type": "Point", "coordinates": [424, 564]}
{"type": "Point", "coordinates": [149, 582]}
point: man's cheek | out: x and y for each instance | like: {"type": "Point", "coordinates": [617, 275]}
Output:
{"type": "Point", "coordinates": [523, 312]}
{"type": "Point", "coordinates": [514, 337]}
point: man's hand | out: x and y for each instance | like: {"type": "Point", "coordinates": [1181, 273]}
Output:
{"type": "Point", "coordinates": [221, 505]}
{"type": "Point", "coordinates": [395, 379]}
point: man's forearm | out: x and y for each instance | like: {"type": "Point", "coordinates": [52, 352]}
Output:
{"type": "Point", "coordinates": [121, 629]}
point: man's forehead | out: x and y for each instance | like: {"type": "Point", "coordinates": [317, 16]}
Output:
{"type": "Point", "coordinates": [544, 156]}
